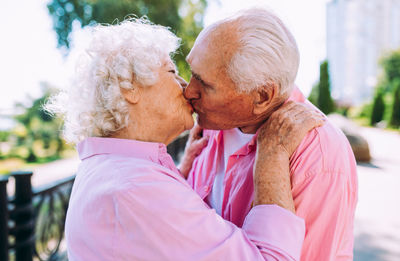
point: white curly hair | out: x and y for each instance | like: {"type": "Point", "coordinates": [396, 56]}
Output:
{"type": "Point", "coordinates": [119, 56]}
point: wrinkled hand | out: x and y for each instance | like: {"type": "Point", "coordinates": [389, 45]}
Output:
{"type": "Point", "coordinates": [287, 127]}
{"type": "Point", "coordinates": [277, 140]}
{"type": "Point", "coordinates": [194, 147]}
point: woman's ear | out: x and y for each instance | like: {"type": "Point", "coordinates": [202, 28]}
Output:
{"type": "Point", "coordinates": [264, 98]}
{"type": "Point", "coordinates": [131, 95]}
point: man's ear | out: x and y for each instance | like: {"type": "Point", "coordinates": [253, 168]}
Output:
{"type": "Point", "coordinates": [131, 95]}
{"type": "Point", "coordinates": [264, 98]}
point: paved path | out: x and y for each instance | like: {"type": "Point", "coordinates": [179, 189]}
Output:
{"type": "Point", "coordinates": [50, 172]}
{"type": "Point", "coordinates": [377, 223]}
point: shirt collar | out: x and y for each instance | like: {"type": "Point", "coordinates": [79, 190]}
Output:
{"type": "Point", "coordinates": [131, 148]}
{"type": "Point", "coordinates": [248, 148]}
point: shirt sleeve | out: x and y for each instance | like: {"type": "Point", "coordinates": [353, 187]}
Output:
{"type": "Point", "coordinates": [162, 219]}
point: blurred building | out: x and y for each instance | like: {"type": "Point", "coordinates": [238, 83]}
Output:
{"type": "Point", "coordinates": [358, 34]}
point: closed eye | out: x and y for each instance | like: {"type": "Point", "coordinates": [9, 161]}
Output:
{"type": "Point", "coordinates": [172, 71]}
{"type": "Point", "coordinates": [197, 77]}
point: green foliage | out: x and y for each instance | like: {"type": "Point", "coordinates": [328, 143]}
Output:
{"type": "Point", "coordinates": [37, 134]}
{"type": "Point", "coordinates": [378, 108]}
{"type": "Point", "coordinates": [320, 94]}
{"type": "Point", "coordinates": [4, 135]}
{"type": "Point", "coordinates": [365, 110]}
{"type": "Point", "coordinates": [395, 117]}
{"type": "Point", "coordinates": [325, 102]}
{"type": "Point", "coordinates": [313, 97]}
{"type": "Point", "coordinates": [184, 17]}
{"type": "Point", "coordinates": [385, 105]}
{"type": "Point", "coordinates": [391, 66]}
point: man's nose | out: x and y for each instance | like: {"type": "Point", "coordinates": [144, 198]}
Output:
{"type": "Point", "coordinates": [190, 92]}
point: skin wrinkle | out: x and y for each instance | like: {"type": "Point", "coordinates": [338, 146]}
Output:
{"type": "Point", "coordinates": [274, 182]}
{"type": "Point", "coordinates": [215, 53]}
{"type": "Point", "coordinates": [155, 107]}
{"type": "Point", "coordinates": [226, 108]}
{"type": "Point", "coordinates": [270, 168]}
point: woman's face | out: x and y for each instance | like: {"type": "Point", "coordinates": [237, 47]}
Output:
{"type": "Point", "coordinates": [166, 101]}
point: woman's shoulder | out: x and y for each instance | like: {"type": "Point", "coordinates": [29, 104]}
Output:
{"type": "Point", "coordinates": [135, 170]}
{"type": "Point", "coordinates": [124, 172]}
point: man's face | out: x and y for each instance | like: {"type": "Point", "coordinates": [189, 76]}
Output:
{"type": "Point", "coordinates": [211, 92]}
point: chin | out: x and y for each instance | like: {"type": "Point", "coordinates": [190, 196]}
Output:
{"type": "Point", "coordinates": [189, 123]}
{"type": "Point", "coordinates": [205, 124]}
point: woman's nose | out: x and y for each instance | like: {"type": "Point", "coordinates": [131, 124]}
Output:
{"type": "Point", "coordinates": [184, 86]}
{"type": "Point", "coordinates": [183, 83]}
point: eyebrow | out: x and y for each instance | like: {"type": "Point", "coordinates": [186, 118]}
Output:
{"type": "Point", "coordinates": [174, 67]}
{"type": "Point", "coordinates": [197, 77]}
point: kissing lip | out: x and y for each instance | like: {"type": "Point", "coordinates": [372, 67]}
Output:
{"type": "Point", "coordinates": [194, 108]}
{"type": "Point", "coordinates": [191, 106]}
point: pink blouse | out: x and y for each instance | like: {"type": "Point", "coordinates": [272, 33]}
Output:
{"type": "Point", "coordinates": [129, 202]}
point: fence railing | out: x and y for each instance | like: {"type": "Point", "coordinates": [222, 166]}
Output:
{"type": "Point", "coordinates": [32, 221]}
{"type": "Point", "coordinates": [3, 219]}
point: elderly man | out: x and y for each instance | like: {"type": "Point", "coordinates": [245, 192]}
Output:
{"type": "Point", "coordinates": [243, 69]}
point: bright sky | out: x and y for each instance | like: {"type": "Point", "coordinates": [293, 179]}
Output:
{"type": "Point", "coordinates": [27, 50]}
{"type": "Point", "coordinates": [28, 53]}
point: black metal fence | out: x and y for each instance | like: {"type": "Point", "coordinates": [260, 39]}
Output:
{"type": "Point", "coordinates": [32, 221]}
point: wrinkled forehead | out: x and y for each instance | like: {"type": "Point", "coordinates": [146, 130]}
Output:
{"type": "Point", "coordinates": [201, 46]}
{"type": "Point", "coordinates": [215, 45]}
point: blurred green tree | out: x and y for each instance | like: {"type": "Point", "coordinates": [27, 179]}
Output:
{"type": "Point", "coordinates": [313, 97]}
{"type": "Point", "coordinates": [395, 117]}
{"type": "Point", "coordinates": [325, 101]}
{"type": "Point", "coordinates": [320, 94]}
{"type": "Point", "coordinates": [184, 17]}
{"type": "Point", "coordinates": [4, 135]}
{"type": "Point", "coordinates": [391, 66]}
{"type": "Point", "coordinates": [378, 107]}
{"type": "Point", "coordinates": [38, 133]}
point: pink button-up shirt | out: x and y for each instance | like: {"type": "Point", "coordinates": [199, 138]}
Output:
{"type": "Point", "coordinates": [324, 186]}
{"type": "Point", "coordinates": [129, 202]}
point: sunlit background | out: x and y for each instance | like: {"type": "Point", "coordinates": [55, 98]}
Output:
{"type": "Point", "coordinates": [349, 68]}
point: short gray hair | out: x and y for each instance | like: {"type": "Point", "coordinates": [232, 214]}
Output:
{"type": "Point", "coordinates": [266, 52]}
{"type": "Point", "coordinates": [119, 56]}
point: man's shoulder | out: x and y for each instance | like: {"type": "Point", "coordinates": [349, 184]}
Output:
{"type": "Point", "coordinates": [324, 150]}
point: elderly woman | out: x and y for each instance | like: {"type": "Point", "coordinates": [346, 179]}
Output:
{"type": "Point", "coordinates": [129, 201]}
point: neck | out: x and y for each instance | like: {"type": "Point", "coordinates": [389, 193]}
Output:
{"type": "Point", "coordinates": [259, 121]}
{"type": "Point", "coordinates": [251, 129]}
